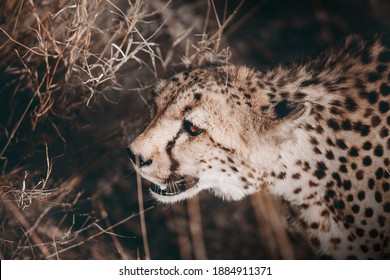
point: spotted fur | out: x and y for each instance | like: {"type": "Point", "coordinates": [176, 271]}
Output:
{"type": "Point", "coordinates": [315, 134]}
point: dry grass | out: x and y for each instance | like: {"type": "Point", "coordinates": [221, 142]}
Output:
{"type": "Point", "coordinates": [75, 78]}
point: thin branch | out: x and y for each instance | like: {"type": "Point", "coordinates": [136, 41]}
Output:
{"type": "Point", "coordinates": [97, 234]}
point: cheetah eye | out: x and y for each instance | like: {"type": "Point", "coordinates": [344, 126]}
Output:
{"type": "Point", "coordinates": [192, 129]}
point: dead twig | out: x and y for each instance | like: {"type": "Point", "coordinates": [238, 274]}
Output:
{"type": "Point", "coordinates": [97, 234]}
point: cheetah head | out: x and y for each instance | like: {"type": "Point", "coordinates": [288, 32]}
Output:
{"type": "Point", "coordinates": [206, 135]}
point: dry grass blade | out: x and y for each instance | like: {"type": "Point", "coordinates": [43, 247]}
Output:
{"type": "Point", "coordinates": [115, 239]}
{"type": "Point", "coordinates": [181, 226]}
{"type": "Point", "coordinates": [218, 35]}
{"type": "Point", "coordinates": [142, 213]}
{"type": "Point", "coordinates": [272, 226]}
{"type": "Point", "coordinates": [195, 223]}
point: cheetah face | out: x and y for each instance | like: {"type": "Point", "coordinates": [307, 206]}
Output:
{"type": "Point", "coordinates": [194, 141]}
{"type": "Point", "coordinates": [207, 134]}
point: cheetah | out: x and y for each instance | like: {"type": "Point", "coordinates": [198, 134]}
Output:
{"type": "Point", "coordinates": [315, 134]}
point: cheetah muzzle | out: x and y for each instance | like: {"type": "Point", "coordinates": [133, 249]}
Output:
{"type": "Point", "coordinates": [314, 134]}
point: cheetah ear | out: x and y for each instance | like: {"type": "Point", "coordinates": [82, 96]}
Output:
{"type": "Point", "coordinates": [285, 116]}
{"type": "Point", "coordinates": [291, 111]}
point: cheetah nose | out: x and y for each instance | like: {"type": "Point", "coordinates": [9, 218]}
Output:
{"type": "Point", "coordinates": [145, 162]}
{"type": "Point", "coordinates": [142, 161]}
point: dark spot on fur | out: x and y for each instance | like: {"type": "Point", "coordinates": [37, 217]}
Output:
{"type": "Point", "coordinates": [385, 186]}
{"type": "Point", "coordinates": [317, 151]}
{"type": "Point", "coordinates": [297, 190]}
{"type": "Point", "coordinates": [306, 166]}
{"type": "Point", "coordinates": [329, 194]}
{"type": "Point", "coordinates": [341, 144]}
{"type": "Point", "coordinates": [386, 207]}
{"type": "Point", "coordinates": [373, 77]}
{"type": "Point", "coordinates": [347, 185]}
{"type": "Point", "coordinates": [343, 168]}
{"type": "Point", "coordinates": [360, 175]}
{"type": "Point", "coordinates": [197, 96]}
{"type": "Point", "coordinates": [296, 176]}
{"type": "Point", "coordinates": [349, 219]}
{"type": "Point", "coordinates": [366, 56]}
{"type": "Point", "coordinates": [346, 124]}
{"type": "Point", "coordinates": [353, 152]}
{"type": "Point", "coordinates": [364, 248]}
{"type": "Point", "coordinates": [312, 184]}
{"type": "Point", "coordinates": [355, 208]}
{"type": "Point", "coordinates": [324, 213]}
{"type": "Point", "coordinates": [367, 146]}
{"type": "Point", "coordinates": [361, 195]}
{"type": "Point", "coordinates": [321, 168]}
{"type": "Point", "coordinates": [379, 173]}
{"type": "Point", "coordinates": [187, 109]}
{"type": "Point", "coordinates": [381, 68]}
{"type": "Point", "coordinates": [335, 111]}
{"type": "Point", "coordinates": [330, 142]}
{"type": "Point", "coordinates": [284, 95]}
{"type": "Point", "coordinates": [384, 56]}
{"type": "Point", "coordinates": [339, 204]}
{"type": "Point", "coordinates": [282, 175]}
{"type": "Point", "coordinates": [332, 123]}
{"type": "Point", "coordinates": [383, 107]}
{"type": "Point", "coordinates": [362, 128]}
{"type": "Point", "coordinates": [350, 104]}
{"type": "Point", "coordinates": [319, 107]}
{"type": "Point", "coordinates": [310, 82]}
{"type": "Point", "coordinates": [378, 151]}
{"type": "Point", "coordinates": [375, 121]}
{"type": "Point", "coordinates": [384, 132]}
{"type": "Point", "coordinates": [373, 233]}
{"type": "Point", "coordinates": [329, 155]}
{"type": "Point", "coordinates": [300, 95]}
{"type": "Point", "coordinates": [367, 161]}
{"type": "Point", "coordinates": [381, 220]}
{"type": "Point", "coordinates": [373, 97]}
{"type": "Point", "coordinates": [368, 212]}
{"type": "Point", "coordinates": [371, 184]}
{"type": "Point", "coordinates": [359, 232]}
{"type": "Point", "coordinates": [385, 89]}
{"type": "Point", "coordinates": [336, 176]}
{"type": "Point", "coordinates": [378, 197]}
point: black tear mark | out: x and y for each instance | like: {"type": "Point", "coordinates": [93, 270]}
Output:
{"type": "Point", "coordinates": [174, 163]}
{"type": "Point", "coordinates": [283, 109]}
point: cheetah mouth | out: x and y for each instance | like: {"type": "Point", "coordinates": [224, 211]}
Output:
{"type": "Point", "coordinates": [173, 187]}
